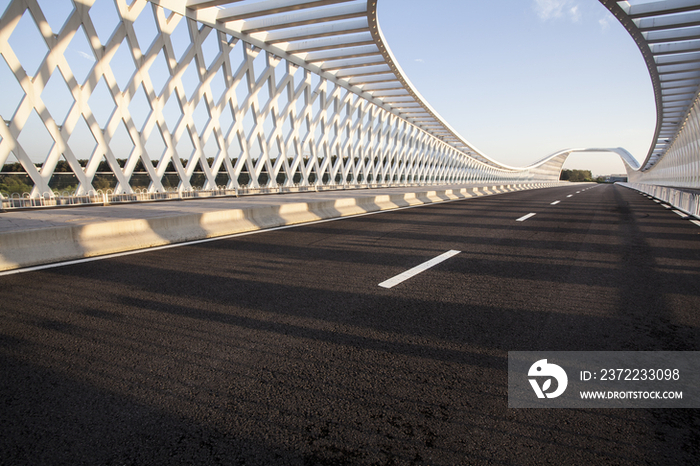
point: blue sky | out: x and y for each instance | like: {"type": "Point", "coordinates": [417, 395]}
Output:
{"type": "Point", "coordinates": [521, 79]}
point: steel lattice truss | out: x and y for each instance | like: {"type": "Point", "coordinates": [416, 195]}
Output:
{"type": "Point", "coordinates": [680, 164]}
{"type": "Point", "coordinates": [295, 93]}
{"type": "Point", "coordinates": [277, 94]}
{"type": "Point", "coordinates": [667, 33]}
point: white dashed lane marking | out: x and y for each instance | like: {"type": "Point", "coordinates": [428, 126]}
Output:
{"type": "Point", "coordinates": [525, 217]}
{"type": "Point", "coordinates": [417, 269]}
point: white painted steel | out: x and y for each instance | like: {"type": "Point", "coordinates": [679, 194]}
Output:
{"type": "Point", "coordinates": [312, 98]}
{"type": "Point", "coordinates": [685, 201]}
{"type": "Point", "coordinates": [667, 34]}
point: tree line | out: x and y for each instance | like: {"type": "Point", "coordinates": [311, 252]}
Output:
{"type": "Point", "coordinates": [64, 167]}
{"type": "Point", "coordinates": [576, 175]}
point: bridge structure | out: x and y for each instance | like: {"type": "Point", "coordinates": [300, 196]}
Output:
{"type": "Point", "coordinates": [217, 96]}
{"type": "Point", "coordinates": [377, 339]}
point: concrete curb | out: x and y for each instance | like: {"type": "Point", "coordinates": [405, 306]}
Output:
{"type": "Point", "coordinates": [26, 248]}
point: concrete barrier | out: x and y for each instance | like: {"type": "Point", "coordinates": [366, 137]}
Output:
{"type": "Point", "coordinates": [42, 246]}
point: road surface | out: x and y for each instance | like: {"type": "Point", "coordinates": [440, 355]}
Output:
{"type": "Point", "coordinates": [281, 348]}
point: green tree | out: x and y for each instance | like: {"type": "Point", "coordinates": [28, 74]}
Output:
{"type": "Point", "coordinates": [13, 167]}
{"type": "Point", "coordinates": [576, 176]}
{"type": "Point", "coordinates": [13, 185]}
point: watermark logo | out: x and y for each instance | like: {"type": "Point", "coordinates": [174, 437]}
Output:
{"type": "Point", "coordinates": [549, 371]}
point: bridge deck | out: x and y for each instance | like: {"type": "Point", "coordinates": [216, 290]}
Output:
{"type": "Point", "coordinates": [282, 349]}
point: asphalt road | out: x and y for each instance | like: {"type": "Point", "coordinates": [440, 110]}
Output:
{"type": "Point", "coordinates": [281, 348]}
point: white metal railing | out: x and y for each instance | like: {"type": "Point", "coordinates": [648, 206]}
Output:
{"type": "Point", "coordinates": [214, 103]}
{"type": "Point", "coordinates": [686, 201]}
{"type": "Point", "coordinates": [99, 197]}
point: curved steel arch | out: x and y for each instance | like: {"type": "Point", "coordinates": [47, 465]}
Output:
{"type": "Point", "coordinates": [668, 36]}
{"type": "Point", "coordinates": [667, 33]}
{"type": "Point", "coordinates": [337, 47]}
{"type": "Point", "coordinates": [340, 40]}
{"type": "Point", "coordinates": [559, 157]}
{"type": "Point", "coordinates": [354, 115]}
{"type": "Point", "coordinates": [347, 120]}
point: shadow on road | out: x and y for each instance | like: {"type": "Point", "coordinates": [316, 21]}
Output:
{"type": "Point", "coordinates": [281, 348]}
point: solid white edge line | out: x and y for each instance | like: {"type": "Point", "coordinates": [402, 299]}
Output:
{"type": "Point", "coordinates": [36, 268]}
{"type": "Point", "coordinates": [207, 240]}
{"type": "Point", "coordinates": [555, 203]}
{"type": "Point", "coordinates": [697, 222]}
{"type": "Point", "coordinates": [679, 213]}
{"type": "Point", "coordinates": [197, 241]}
{"type": "Point", "coordinates": [525, 217]}
{"type": "Point", "coordinates": [392, 282]}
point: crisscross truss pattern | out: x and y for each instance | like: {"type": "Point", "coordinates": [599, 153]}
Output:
{"type": "Point", "coordinates": [204, 95]}
{"type": "Point", "coordinates": [668, 34]}
{"type": "Point", "coordinates": [680, 164]}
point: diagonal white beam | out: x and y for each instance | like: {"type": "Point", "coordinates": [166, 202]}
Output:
{"type": "Point", "coordinates": [407, 101]}
{"type": "Point", "coordinates": [673, 35]}
{"type": "Point", "coordinates": [365, 71]}
{"type": "Point", "coordinates": [680, 76]}
{"type": "Point", "coordinates": [338, 54]}
{"type": "Point", "coordinates": [199, 4]}
{"type": "Point", "coordinates": [681, 84]}
{"type": "Point", "coordinates": [671, 48]}
{"type": "Point", "coordinates": [678, 68]}
{"type": "Point", "coordinates": [681, 98]}
{"type": "Point", "coordinates": [351, 63]}
{"type": "Point", "coordinates": [679, 90]}
{"type": "Point", "coordinates": [390, 93]}
{"type": "Point", "coordinates": [678, 59]}
{"type": "Point", "coordinates": [662, 8]}
{"type": "Point", "coordinates": [326, 43]}
{"type": "Point", "coordinates": [303, 18]}
{"type": "Point", "coordinates": [668, 22]}
{"type": "Point", "coordinates": [674, 106]}
{"type": "Point", "coordinates": [269, 7]}
{"type": "Point", "coordinates": [382, 86]}
{"type": "Point", "coordinates": [316, 31]}
{"type": "Point", "coordinates": [381, 78]}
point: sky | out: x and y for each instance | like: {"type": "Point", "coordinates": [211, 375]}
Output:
{"type": "Point", "coordinates": [522, 79]}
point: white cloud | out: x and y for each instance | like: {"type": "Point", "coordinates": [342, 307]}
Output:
{"type": "Point", "coordinates": [574, 14]}
{"type": "Point", "coordinates": [86, 56]}
{"type": "Point", "coordinates": [550, 9]}
{"type": "Point", "coordinates": [604, 23]}
{"type": "Point", "coordinates": [420, 60]}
